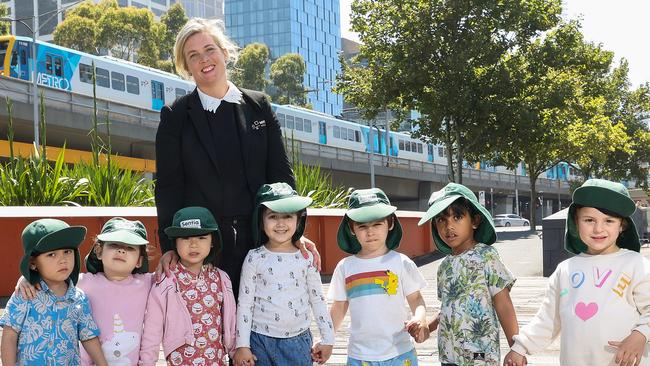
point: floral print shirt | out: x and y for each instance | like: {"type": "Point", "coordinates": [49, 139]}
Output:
{"type": "Point", "coordinates": [203, 295]}
{"type": "Point", "coordinates": [50, 327]}
{"type": "Point", "coordinates": [468, 333]}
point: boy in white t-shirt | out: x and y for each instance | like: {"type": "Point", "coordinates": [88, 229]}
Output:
{"type": "Point", "coordinates": [375, 282]}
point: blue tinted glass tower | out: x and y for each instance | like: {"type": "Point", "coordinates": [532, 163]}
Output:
{"type": "Point", "coordinates": [309, 27]}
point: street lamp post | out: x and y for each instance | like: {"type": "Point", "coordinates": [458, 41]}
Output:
{"type": "Point", "coordinates": [371, 155]}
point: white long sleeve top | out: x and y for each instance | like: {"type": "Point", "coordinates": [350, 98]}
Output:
{"type": "Point", "coordinates": [276, 293]}
{"type": "Point", "coordinates": [591, 299]}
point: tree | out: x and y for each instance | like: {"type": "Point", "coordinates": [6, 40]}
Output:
{"type": "Point", "coordinates": [124, 29]}
{"type": "Point", "coordinates": [287, 75]}
{"type": "Point", "coordinates": [5, 27]}
{"type": "Point", "coordinates": [250, 69]}
{"type": "Point", "coordinates": [128, 32]}
{"type": "Point", "coordinates": [444, 59]}
{"type": "Point", "coordinates": [555, 105]}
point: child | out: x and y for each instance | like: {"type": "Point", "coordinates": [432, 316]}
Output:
{"type": "Point", "coordinates": [374, 283]}
{"type": "Point", "coordinates": [117, 284]}
{"type": "Point", "coordinates": [193, 311]}
{"type": "Point", "coordinates": [47, 329]}
{"type": "Point", "coordinates": [599, 300]}
{"type": "Point", "coordinates": [473, 284]}
{"type": "Point", "coordinates": [279, 286]}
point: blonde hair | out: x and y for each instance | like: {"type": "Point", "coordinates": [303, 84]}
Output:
{"type": "Point", "coordinates": [213, 28]}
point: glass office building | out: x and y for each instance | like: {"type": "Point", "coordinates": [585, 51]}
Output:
{"type": "Point", "coordinates": [309, 27]}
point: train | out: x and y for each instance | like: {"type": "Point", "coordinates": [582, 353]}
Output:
{"type": "Point", "coordinates": [143, 87]}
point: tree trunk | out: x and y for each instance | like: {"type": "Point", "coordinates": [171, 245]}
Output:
{"type": "Point", "coordinates": [533, 199]}
{"type": "Point", "coordinates": [459, 157]}
{"type": "Point", "coordinates": [449, 145]}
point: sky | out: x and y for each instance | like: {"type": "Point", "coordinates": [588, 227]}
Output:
{"type": "Point", "coordinates": [617, 24]}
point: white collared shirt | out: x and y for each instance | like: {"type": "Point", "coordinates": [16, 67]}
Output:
{"type": "Point", "coordinates": [210, 103]}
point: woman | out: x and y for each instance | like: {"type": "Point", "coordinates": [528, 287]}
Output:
{"type": "Point", "coordinates": [216, 146]}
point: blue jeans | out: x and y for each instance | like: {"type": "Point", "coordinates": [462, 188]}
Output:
{"type": "Point", "coordinates": [409, 358]}
{"type": "Point", "coordinates": [294, 351]}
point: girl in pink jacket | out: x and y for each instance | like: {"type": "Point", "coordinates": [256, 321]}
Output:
{"type": "Point", "coordinates": [192, 312]}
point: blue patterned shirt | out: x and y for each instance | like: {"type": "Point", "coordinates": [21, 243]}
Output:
{"type": "Point", "coordinates": [50, 327]}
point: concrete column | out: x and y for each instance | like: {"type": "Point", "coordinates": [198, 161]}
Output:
{"type": "Point", "coordinates": [424, 192]}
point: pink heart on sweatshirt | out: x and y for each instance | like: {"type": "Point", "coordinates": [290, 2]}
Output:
{"type": "Point", "coordinates": [586, 311]}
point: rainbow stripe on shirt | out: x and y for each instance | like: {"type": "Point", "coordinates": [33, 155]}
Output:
{"type": "Point", "coordinates": [371, 283]}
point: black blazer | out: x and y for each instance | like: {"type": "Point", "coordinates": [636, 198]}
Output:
{"type": "Point", "coordinates": [187, 171]}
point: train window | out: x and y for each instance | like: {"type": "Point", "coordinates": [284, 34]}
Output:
{"type": "Point", "coordinates": [58, 66]}
{"type": "Point", "coordinates": [401, 145]}
{"type": "Point", "coordinates": [86, 73]}
{"type": "Point", "coordinates": [298, 124]}
{"type": "Point", "coordinates": [307, 125]}
{"type": "Point", "coordinates": [414, 147]}
{"type": "Point", "coordinates": [102, 77]}
{"type": "Point", "coordinates": [48, 64]}
{"type": "Point", "coordinates": [180, 92]}
{"type": "Point", "coordinates": [132, 84]}
{"type": "Point", "coordinates": [23, 57]}
{"type": "Point", "coordinates": [117, 80]}
{"type": "Point", "coordinates": [440, 151]}
{"type": "Point", "coordinates": [290, 122]}
{"type": "Point", "coordinates": [337, 132]}
{"type": "Point", "coordinates": [281, 119]}
{"type": "Point", "coordinates": [420, 148]}
{"type": "Point", "coordinates": [14, 58]}
{"type": "Point", "coordinates": [357, 136]}
{"type": "Point", "coordinates": [351, 135]}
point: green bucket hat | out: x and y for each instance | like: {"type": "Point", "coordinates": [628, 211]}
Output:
{"type": "Point", "coordinates": [119, 230]}
{"type": "Point", "coordinates": [366, 205]}
{"type": "Point", "coordinates": [607, 195]}
{"type": "Point", "coordinates": [46, 235]}
{"type": "Point", "coordinates": [440, 200]}
{"type": "Point", "coordinates": [278, 197]}
{"type": "Point", "coordinates": [195, 221]}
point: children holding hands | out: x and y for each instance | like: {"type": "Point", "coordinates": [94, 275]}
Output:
{"type": "Point", "coordinates": [598, 302]}
{"type": "Point", "coordinates": [375, 283]}
{"type": "Point", "coordinates": [473, 284]}
{"type": "Point", "coordinates": [279, 287]}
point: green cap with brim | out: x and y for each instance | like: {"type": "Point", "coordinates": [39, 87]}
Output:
{"type": "Point", "coordinates": [278, 197]}
{"type": "Point", "coordinates": [438, 203]}
{"type": "Point", "coordinates": [607, 195]}
{"type": "Point", "coordinates": [195, 221]}
{"type": "Point", "coordinates": [46, 235]}
{"type": "Point", "coordinates": [366, 205]}
{"type": "Point", "coordinates": [119, 230]}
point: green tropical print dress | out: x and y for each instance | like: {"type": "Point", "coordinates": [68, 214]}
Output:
{"type": "Point", "coordinates": [468, 333]}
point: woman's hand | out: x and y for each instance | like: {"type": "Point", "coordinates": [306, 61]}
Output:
{"type": "Point", "coordinates": [305, 245]}
{"type": "Point", "coordinates": [26, 289]}
{"type": "Point", "coordinates": [169, 259]}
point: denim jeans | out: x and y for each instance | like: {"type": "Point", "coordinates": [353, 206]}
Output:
{"type": "Point", "coordinates": [295, 351]}
{"type": "Point", "coordinates": [409, 358]}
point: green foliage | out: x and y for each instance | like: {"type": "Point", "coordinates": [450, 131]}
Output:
{"type": "Point", "coordinates": [314, 183]}
{"type": "Point", "coordinates": [287, 74]}
{"type": "Point", "coordinates": [128, 32]}
{"type": "Point", "coordinates": [251, 67]}
{"type": "Point", "coordinates": [34, 182]}
{"type": "Point", "coordinates": [108, 185]}
{"type": "Point", "coordinates": [5, 27]}
{"type": "Point", "coordinates": [442, 58]}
